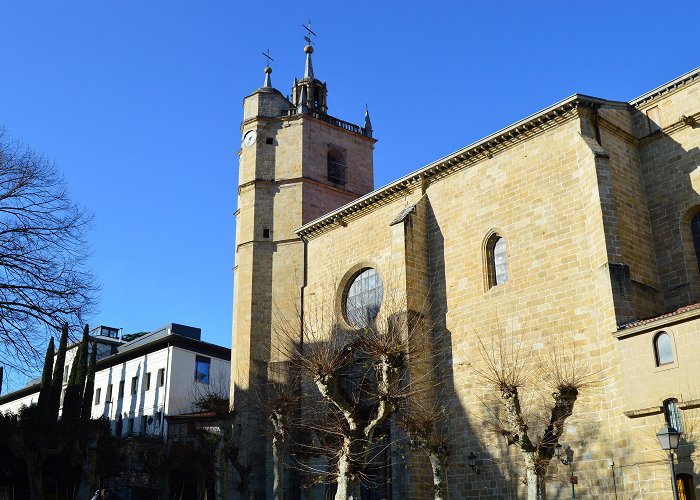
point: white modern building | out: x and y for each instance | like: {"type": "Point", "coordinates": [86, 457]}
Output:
{"type": "Point", "coordinates": [138, 383]}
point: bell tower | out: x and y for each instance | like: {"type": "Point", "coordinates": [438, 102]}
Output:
{"type": "Point", "coordinates": [296, 163]}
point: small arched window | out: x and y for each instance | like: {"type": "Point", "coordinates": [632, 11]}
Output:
{"type": "Point", "coordinates": [673, 414]}
{"type": "Point", "coordinates": [336, 166]}
{"type": "Point", "coordinates": [695, 230]}
{"type": "Point", "coordinates": [363, 298]}
{"type": "Point", "coordinates": [662, 349]}
{"type": "Point", "coordinates": [496, 261]}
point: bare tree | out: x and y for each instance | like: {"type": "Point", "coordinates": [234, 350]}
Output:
{"type": "Point", "coordinates": [356, 377]}
{"type": "Point", "coordinates": [421, 424]}
{"type": "Point", "coordinates": [43, 279]}
{"type": "Point", "coordinates": [552, 386]}
{"type": "Point", "coordinates": [279, 399]}
{"type": "Point", "coordinates": [214, 398]}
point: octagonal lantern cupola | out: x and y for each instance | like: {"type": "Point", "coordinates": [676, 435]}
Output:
{"type": "Point", "coordinates": [309, 93]}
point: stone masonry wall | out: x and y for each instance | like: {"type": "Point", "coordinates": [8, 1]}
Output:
{"type": "Point", "coordinates": [542, 196]}
{"type": "Point", "coordinates": [669, 161]}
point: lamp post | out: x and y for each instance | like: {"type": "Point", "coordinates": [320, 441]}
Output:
{"type": "Point", "coordinates": [570, 463]}
{"type": "Point", "coordinates": [668, 439]}
{"type": "Point", "coordinates": [471, 460]}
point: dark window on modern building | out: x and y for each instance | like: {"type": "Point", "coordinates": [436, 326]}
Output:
{"type": "Point", "coordinates": [662, 349]}
{"type": "Point", "coordinates": [496, 261]}
{"type": "Point", "coordinates": [147, 382]}
{"type": "Point", "coordinates": [336, 166]}
{"type": "Point", "coordinates": [108, 396]}
{"type": "Point", "coordinates": [673, 414]}
{"type": "Point", "coordinates": [66, 372]}
{"type": "Point", "coordinates": [201, 369]}
{"type": "Point", "coordinates": [120, 394]}
{"type": "Point", "coordinates": [134, 385]}
{"type": "Point", "coordinates": [363, 298]}
{"type": "Point", "coordinates": [97, 396]}
{"type": "Point", "coordinates": [144, 424]}
{"type": "Point", "coordinates": [130, 426]}
{"type": "Point", "coordinates": [161, 377]}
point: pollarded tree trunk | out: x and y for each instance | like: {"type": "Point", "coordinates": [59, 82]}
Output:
{"type": "Point", "coordinates": [535, 481]}
{"type": "Point", "coordinates": [348, 484]}
{"type": "Point", "coordinates": [436, 463]}
{"type": "Point", "coordinates": [278, 467]}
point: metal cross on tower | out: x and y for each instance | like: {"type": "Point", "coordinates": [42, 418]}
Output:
{"type": "Point", "coordinates": [308, 32]}
{"type": "Point", "coordinates": [268, 57]}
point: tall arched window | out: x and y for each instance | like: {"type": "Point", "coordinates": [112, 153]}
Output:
{"type": "Point", "coordinates": [336, 166]}
{"type": "Point", "coordinates": [662, 349]}
{"type": "Point", "coordinates": [364, 298]}
{"type": "Point", "coordinates": [695, 230]}
{"type": "Point", "coordinates": [496, 261]}
{"type": "Point", "coordinates": [673, 414]}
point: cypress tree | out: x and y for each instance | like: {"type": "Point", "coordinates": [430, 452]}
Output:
{"type": "Point", "coordinates": [82, 356]}
{"type": "Point", "coordinates": [45, 388]}
{"type": "Point", "coordinates": [86, 410]}
{"type": "Point", "coordinates": [57, 379]}
{"type": "Point", "coordinates": [84, 341]}
{"type": "Point", "coordinates": [72, 400]}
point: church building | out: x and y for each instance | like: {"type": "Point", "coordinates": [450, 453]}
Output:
{"type": "Point", "coordinates": [576, 229]}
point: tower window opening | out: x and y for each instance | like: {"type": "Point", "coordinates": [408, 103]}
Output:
{"type": "Point", "coordinates": [336, 167]}
{"type": "Point", "coordinates": [266, 233]}
{"type": "Point", "coordinates": [269, 140]}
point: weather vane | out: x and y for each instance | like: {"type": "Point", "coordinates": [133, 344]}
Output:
{"type": "Point", "coordinates": [268, 57]}
{"type": "Point", "coordinates": [308, 32]}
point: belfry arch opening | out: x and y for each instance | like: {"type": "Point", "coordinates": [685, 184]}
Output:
{"type": "Point", "coordinates": [336, 166]}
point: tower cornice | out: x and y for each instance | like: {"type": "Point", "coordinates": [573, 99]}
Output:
{"type": "Point", "coordinates": [294, 114]}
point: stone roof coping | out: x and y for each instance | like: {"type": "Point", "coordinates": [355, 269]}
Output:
{"type": "Point", "coordinates": [403, 214]}
{"type": "Point", "coordinates": [666, 87]}
{"type": "Point", "coordinates": [433, 168]}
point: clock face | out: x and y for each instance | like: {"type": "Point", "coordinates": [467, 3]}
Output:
{"type": "Point", "coordinates": [249, 138]}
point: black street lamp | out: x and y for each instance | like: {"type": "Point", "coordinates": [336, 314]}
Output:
{"type": "Point", "coordinates": [471, 460]}
{"type": "Point", "coordinates": [668, 439]}
{"type": "Point", "coordinates": [557, 453]}
{"type": "Point", "coordinates": [570, 463]}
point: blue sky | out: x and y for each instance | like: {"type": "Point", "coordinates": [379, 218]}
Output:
{"type": "Point", "coordinates": [139, 105]}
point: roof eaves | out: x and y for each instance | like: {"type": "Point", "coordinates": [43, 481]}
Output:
{"type": "Point", "coordinates": [666, 87]}
{"type": "Point", "coordinates": [463, 153]}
